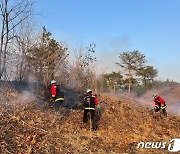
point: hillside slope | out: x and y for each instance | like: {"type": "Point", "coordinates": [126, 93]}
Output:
{"type": "Point", "coordinates": [30, 126]}
{"type": "Point", "coordinates": [169, 93]}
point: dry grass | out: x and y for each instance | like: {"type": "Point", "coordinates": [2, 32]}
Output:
{"type": "Point", "coordinates": [31, 127]}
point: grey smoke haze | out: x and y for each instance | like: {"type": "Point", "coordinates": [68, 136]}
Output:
{"type": "Point", "coordinates": [26, 97]}
{"type": "Point", "coordinates": [108, 49]}
{"type": "Point", "coordinates": [172, 102]}
{"type": "Point", "coordinates": [173, 108]}
{"type": "Point", "coordinates": [21, 99]}
{"type": "Point", "coordinates": [108, 56]}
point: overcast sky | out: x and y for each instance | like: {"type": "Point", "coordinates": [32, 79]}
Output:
{"type": "Point", "coordinates": [150, 26]}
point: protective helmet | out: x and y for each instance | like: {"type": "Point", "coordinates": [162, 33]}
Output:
{"type": "Point", "coordinates": [154, 95]}
{"type": "Point", "coordinates": [89, 90]}
{"type": "Point", "coordinates": [53, 81]}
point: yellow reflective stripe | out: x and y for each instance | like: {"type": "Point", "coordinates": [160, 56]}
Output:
{"type": "Point", "coordinates": [163, 107]}
{"type": "Point", "coordinates": [156, 106]}
{"type": "Point", "coordinates": [59, 99]}
{"type": "Point", "coordinates": [90, 108]}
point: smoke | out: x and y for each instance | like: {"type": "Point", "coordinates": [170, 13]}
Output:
{"type": "Point", "coordinates": [174, 107]}
{"type": "Point", "coordinates": [145, 100]}
{"type": "Point", "coordinates": [169, 94]}
{"type": "Point", "coordinates": [12, 100]}
{"type": "Point", "coordinates": [25, 97]}
{"type": "Point", "coordinates": [108, 54]}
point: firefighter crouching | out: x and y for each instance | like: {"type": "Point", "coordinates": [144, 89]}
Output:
{"type": "Point", "coordinates": [90, 103]}
{"type": "Point", "coordinates": [159, 104]}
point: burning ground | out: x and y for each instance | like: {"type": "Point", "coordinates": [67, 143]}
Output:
{"type": "Point", "coordinates": [29, 125]}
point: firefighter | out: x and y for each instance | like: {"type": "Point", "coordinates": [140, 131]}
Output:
{"type": "Point", "coordinates": [159, 104]}
{"type": "Point", "coordinates": [57, 96]}
{"type": "Point", "coordinates": [90, 103]}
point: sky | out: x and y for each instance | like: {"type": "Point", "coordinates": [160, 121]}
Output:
{"type": "Point", "coordinates": [115, 26]}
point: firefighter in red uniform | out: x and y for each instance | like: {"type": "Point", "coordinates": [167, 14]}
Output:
{"type": "Point", "coordinates": [90, 103]}
{"type": "Point", "coordinates": [159, 104]}
{"type": "Point", "coordinates": [57, 95]}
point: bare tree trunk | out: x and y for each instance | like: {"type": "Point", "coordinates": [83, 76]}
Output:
{"type": "Point", "coordinates": [129, 82]}
{"type": "Point", "coordinates": [11, 15]}
{"type": "Point", "coordinates": [2, 41]}
{"type": "Point", "coordinates": [7, 35]}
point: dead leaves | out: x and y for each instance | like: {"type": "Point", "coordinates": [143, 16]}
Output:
{"type": "Point", "coordinates": [31, 122]}
{"type": "Point", "coordinates": [34, 129]}
{"type": "Point", "coordinates": [33, 141]}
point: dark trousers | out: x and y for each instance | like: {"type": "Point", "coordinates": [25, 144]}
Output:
{"type": "Point", "coordinates": [92, 116]}
{"type": "Point", "coordinates": [57, 105]}
{"type": "Point", "coordinates": [163, 110]}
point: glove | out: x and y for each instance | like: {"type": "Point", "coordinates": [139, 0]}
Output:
{"type": "Point", "coordinates": [52, 99]}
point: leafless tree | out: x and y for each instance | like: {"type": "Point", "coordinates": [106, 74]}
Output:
{"type": "Point", "coordinates": [23, 42]}
{"type": "Point", "coordinates": [82, 74]}
{"type": "Point", "coordinates": [12, 14]}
